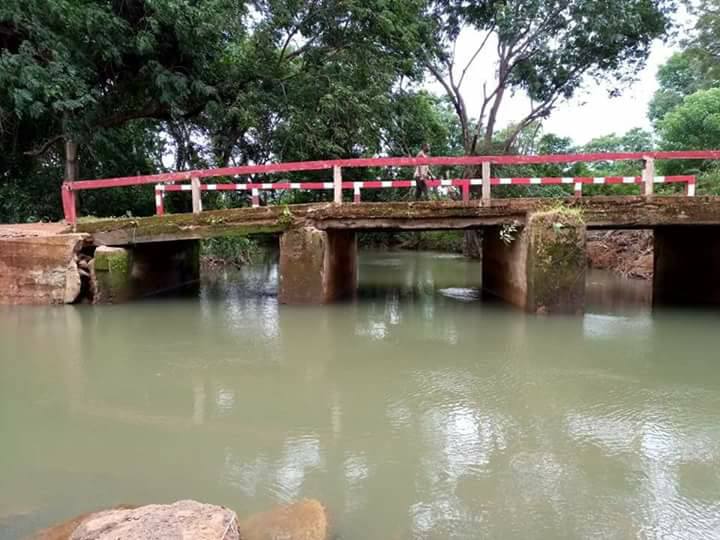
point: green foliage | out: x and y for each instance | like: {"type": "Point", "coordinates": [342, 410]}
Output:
{"type": "Point", "coordinates": [215, 83]}
{"type": "Point", "coordinates": [704, 44]}
{"type": "Point", "coordinates": [237, 250]}
{"type": "Point", "coordinates": [679, 77]}
{"type": "Point", "coordinates": [446, 241]}
{"type": "Point", "coordinates": [635, 140]}
{"type": "Point", "coordinates": [694, 124]}
{"type": "Point", "coordinates": [419, 117]}
{"type": "Point", "coordinates": [709, 179]}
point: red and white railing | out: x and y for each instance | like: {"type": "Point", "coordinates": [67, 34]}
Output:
{"type": "Point", "coordinates": [196, 187]}
{"type": "Point", "coordinates": [463, 184]}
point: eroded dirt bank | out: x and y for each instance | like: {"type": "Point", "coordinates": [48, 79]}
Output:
{"type": "Point", "coordinates": [629, 253]}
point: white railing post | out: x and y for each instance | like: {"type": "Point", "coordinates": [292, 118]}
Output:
{"type": "Point", "coordinates": [196, 200]}
{"type": "Point", "coordinates": [337, 184]}
{"type": "Point", "coordinates": [159, 202]}
{"type": "Point", "coordinates": [486, 188]}
{"type": "Point", "coordinates": [648, 176]}
{"type": "Point", "coordinates": [255, 198]}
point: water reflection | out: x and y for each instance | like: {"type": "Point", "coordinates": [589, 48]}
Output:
{"type": "Point", "coordinates": [415, 412]}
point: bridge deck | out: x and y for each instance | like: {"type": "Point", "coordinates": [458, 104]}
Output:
{"type": "Point", "coordinates": [597, 212]}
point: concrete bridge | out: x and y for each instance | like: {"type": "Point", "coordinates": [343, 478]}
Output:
{"type": "Point", "coordinates": [533, 249]}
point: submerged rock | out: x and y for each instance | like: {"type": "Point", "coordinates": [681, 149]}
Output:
{"type": "Point", "coordinates": [304, 520]}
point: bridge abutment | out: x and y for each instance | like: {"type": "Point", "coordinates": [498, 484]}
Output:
{"type": "Point", "coordinates": [120, 274]}
{"type": "Point", "coordinates": [541, 267]}
{"type": "Point", "coordinates": [317, 266]}
{"type": "Point", "coordinates": [40, 270]}
{"type": "Point", "coordinates": [687, 265]}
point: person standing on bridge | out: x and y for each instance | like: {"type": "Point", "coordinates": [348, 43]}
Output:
{"type": "Point", "coordinates": [422, 174]}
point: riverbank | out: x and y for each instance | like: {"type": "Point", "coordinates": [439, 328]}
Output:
{"type": "Point", "coordinates": [233, 251]}
{"type": "Point", "coordinates": [627, 253]}
{"type": "Point", "coordinates": [447, 241]}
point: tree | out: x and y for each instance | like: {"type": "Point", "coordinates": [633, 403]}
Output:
{"type": "Point", "coordinates": [704, 44]}
{"type": "Point", "coordinates": [542, 48]}
{"type": "Point", "coordinates": [694, 124]}
{"type": "Point", "coordinates": [318, 77]}
{"type": "Point", "coordinates": [415, 118]}
{"type": "Point", "coordinates": [635, 140]}
{"type": "Point", "coordinates": [218, 81]}
{"type": "Point", "coordinates": [679, 77]}
{"type": "Point", "coordinates": [78, 72]}
{"type": "Point", "coordinates": [79, 66]}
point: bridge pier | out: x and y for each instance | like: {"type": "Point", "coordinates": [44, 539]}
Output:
{"type": "Point", "coordinates": [317, 266]}
{"type": "Point", "coordinates": [119, 274]}
{"type": "Point", "coordinates": [687, 265]}
{"type": "Point", "coordinates": [541, 269]}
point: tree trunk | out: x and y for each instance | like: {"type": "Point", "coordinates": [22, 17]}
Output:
{"type": "Point", "coordinates": [72, 171]}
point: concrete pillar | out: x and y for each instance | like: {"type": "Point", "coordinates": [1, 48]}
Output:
{"type": "Point", "coordinates": [123, 274]}
{"type": "Point", "coordinates": [542, 270]}
{"type": "Point", "coordinates": [687, 265]}
{"type": "Point", "coordinates": [317, 267]}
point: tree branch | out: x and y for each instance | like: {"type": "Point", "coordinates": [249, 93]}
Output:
{"type": "Point", "coordinates": [454, 98]}
{"type": "Point", "coordinates": [475, 55]}
{"type": "Point", "coordinates": [45, 146]}
{"type": "Point", "coordinates": [536, 113]}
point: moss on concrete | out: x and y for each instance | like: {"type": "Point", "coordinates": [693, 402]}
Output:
{"type": "Point", "coordinates": [556, 261]}
{"type": "Point", "coordinates": [114, 260]}
{"type": "Point", "coordinates": [112, 269]}
{"type": "Point", "coordinates": [235, 222]}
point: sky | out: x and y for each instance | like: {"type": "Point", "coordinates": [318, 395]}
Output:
{"type": "Point", "coordinates": [590, 113]}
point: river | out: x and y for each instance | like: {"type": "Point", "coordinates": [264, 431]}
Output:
{"type": "Point", "coordinates": [416, 411]}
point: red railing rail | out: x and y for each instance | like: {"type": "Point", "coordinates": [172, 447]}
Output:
{"type": "Point", "coordinates": [69, 189]}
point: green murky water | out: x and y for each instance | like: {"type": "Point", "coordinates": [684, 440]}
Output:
{"type": "Point", "coordinates": [417, 411]}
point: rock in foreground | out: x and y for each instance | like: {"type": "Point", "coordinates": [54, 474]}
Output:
{"type": "Point", "coordinates": [190, 520]}
{"type": "Point", "coordinates": [183, 520]}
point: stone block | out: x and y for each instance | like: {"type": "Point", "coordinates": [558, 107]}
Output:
{"type": "Point", "coordinates": [40, 270]}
